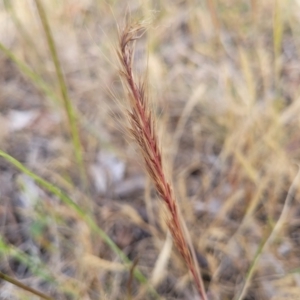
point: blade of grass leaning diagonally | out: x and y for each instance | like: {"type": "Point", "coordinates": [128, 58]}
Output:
{"type": "Point", "coordinates": [34, 77]}
{"type": "Point", "coordinates": [38, 81]}
{"type": "Point", "coordinates": [11, 11]}
{"type": "Point", "coordinates": [64, 93]}
{"type": "Point", "coordinates": [36, 267]}
{"type": "Point", "coordinates": [270, 237]}
{"type": "Point", "coordinates": [33, 264]}
{"type": "Point", "coordinates": [81, 213]}
{"type": "Point", "coordinates": [24, 286]}
{"type": "Point", "coordinates": [143, 131]}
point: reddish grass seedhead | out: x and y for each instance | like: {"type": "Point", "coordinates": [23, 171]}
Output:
{"type": "Point", "coordinates": [142, 128]}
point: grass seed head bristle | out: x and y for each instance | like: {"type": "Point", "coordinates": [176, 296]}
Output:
{"type": "Point", "coordinates": [142, 124]}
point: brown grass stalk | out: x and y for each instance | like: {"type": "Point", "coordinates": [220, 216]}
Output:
{"type": "Point", "coordinates": [142, 128]}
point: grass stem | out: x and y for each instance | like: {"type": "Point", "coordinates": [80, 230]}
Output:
{"type": "Point", "coordinates": [64, 93]}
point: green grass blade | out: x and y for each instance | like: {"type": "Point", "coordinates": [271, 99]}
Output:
{"type": "Point", "coordinates": [251, 270]}
{"type": "Point", "coordinates": [64, 92]}
{"type": "Point", "coordinates": [38, 81]}
{"type": "Point", "coordinates": [80, 212]}
{"type": "Point", "coordinates": [35, 78]}
{"type": "Point", "coordinates": [35, 266]}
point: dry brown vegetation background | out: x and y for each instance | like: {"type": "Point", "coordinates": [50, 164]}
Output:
{"type": "Point", "coordinates": [223, 79]}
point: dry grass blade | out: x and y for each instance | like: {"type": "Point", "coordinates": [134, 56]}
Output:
{"type": "Point", "coordinates": [142, 125]}
{"type": "Point", "coordinates": [24, 287]}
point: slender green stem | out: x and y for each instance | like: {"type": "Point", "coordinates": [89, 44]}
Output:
{"type": "Point", "coordinates": [270, 236]}
{"type": "Point", "coordinates": [34, 77]}
{"type": "Point", "coordinates": [36, 267]}
{"type": "Point", "coordinates": [33, 263]}
{"type": "Point", "coordinates": [80, 212]}
{"type": "Point", "coordinates": [251, 269]}
{"type": "Point", "coordinates": [66, 199]}
{"type": "Point", "coordinates": [64, 92]}
{"type": "Point", "coordinates": [38, 81]}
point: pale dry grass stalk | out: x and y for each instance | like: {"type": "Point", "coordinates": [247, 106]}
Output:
{"type": "Point", "coordinates": [142, 128]}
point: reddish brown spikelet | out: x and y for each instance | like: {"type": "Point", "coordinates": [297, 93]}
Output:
{"type": "Point", "coordinates": [143, 130]}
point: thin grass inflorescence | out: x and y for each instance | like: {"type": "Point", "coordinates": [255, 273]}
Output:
{"type": "Point", "coordinates": [142, 128]}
